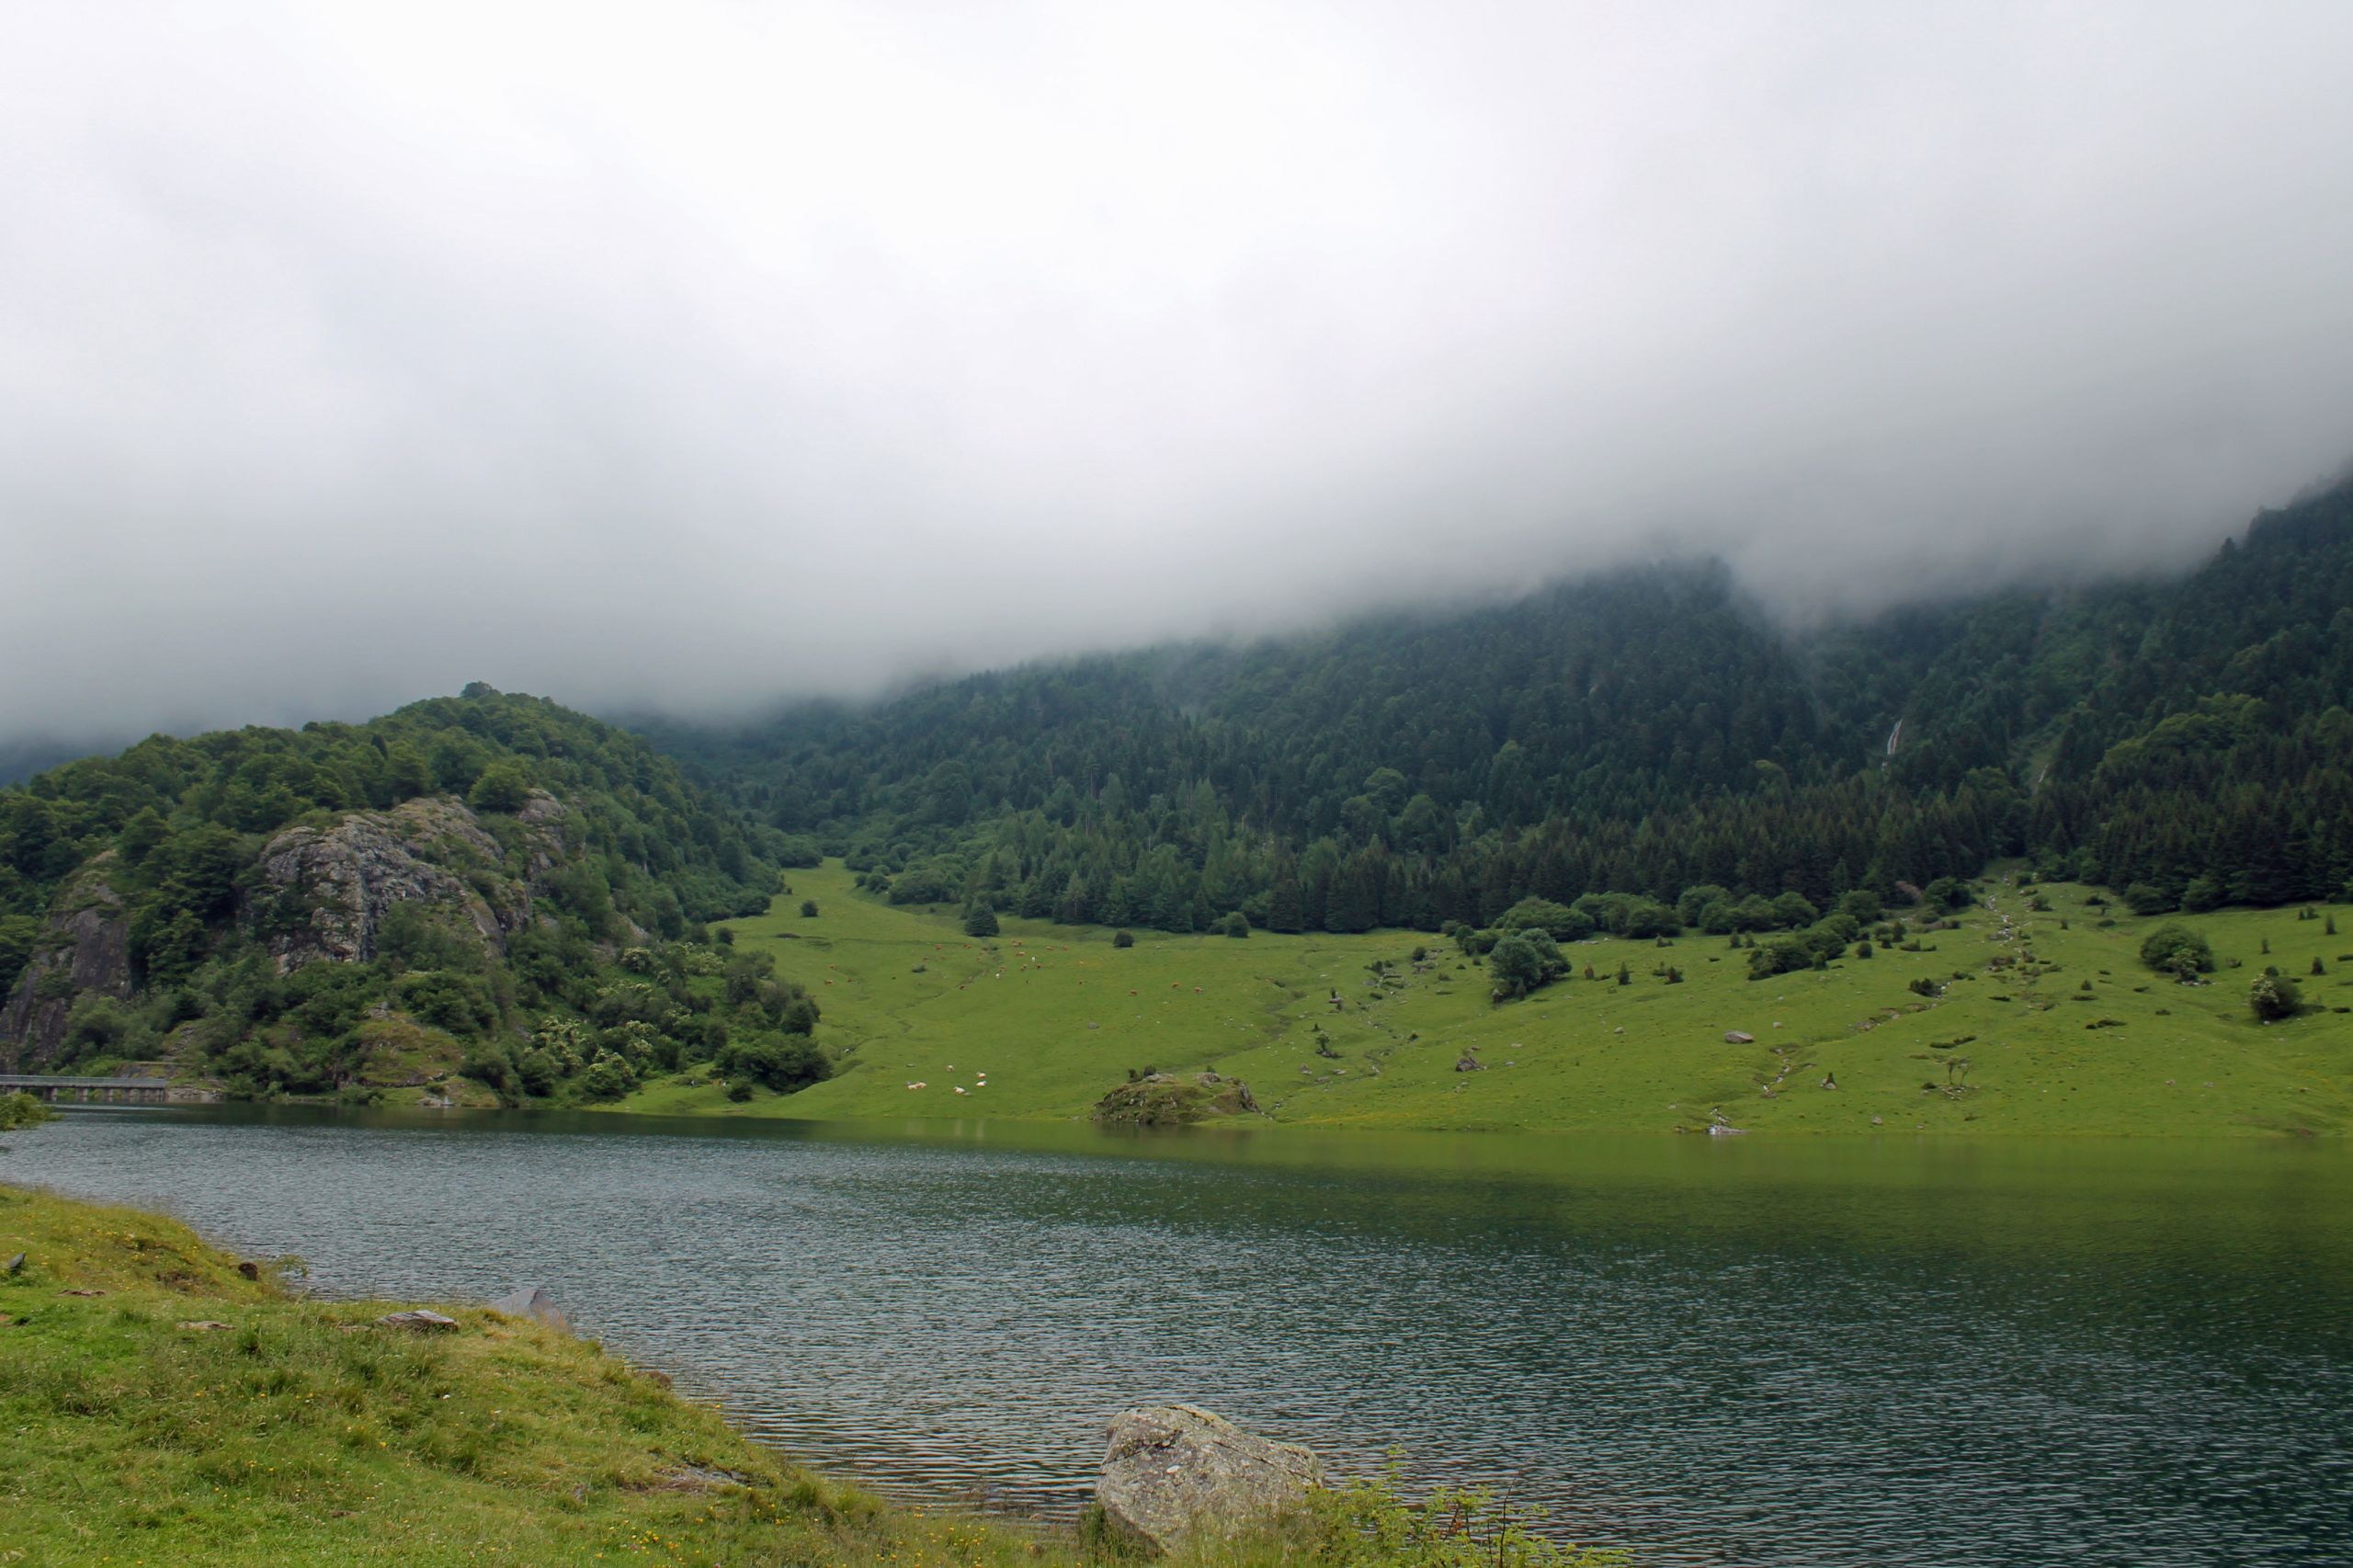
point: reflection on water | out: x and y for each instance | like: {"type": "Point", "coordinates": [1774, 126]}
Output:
{"type": "Point", "coordinates": [1753, 1353]}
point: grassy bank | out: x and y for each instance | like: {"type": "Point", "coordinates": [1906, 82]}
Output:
{"type": "Point", "coordinates": [300, 1432]}
{"type": "Point", "coordinates": [2084, 1040]}
{"type": "Point", "coordinates": [166, 1405]}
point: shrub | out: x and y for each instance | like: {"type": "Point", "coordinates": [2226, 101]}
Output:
{"type": "Point", "coordinates": [1521, 961]}
{"type": "Point", "coordinates": [1234, 924]}
{"type": "Point", "coordinates": [980, 920]}
{"type": "Point", "coordinates": [1555, 920]}
{"type": "Point", "coordinates": [1782, 955]}
{"type": "Point", "coordinates": [1124, 940]}
{"type": "Point", "coordinates": [783, 1065]}
{"type": "Point", "coordinates": [2274, 997]}
{"type": "Point", "coordinates": [2176, 950]}
{"type": "Point", "coordinates": [21, 1110]}
{"type": "Point", "coordinates": [807, 909]}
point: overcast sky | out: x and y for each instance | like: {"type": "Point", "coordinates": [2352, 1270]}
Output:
{"type": "Point", "coordinates": [687, 355]}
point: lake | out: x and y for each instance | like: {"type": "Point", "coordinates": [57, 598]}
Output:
{"type": "Point", "coordinates": [1711, 1351]}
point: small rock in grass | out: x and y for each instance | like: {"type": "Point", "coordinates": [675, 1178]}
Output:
{"type": "Point", "coordinates": [17, 1264]}
{"type": "Point", "coordinates": [418, 1321]}
{"type": "Point", "coordinates": [1735, 1036]}
{"type": "Point", "coordinates": [204, 1325]}
{"type": "Point", "coordinates": [81, 1292]}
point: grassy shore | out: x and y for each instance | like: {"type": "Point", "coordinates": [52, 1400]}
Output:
{"type": "Point", "coordinates": [167, 1405]}
{"type": "Point", "coordinates": [2087, 1041]}
{"type": "Point", "coordinates": [300, 1432]}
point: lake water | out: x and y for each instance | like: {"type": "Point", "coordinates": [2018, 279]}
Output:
{"type": "Point", "coordinates": [1710, 1351]}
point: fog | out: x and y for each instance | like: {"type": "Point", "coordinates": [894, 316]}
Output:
{"type": "Point", "coordinates": [684, 356]}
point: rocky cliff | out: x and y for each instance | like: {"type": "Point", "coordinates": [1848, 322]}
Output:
{"type": "Point", "coordinates": [314, 893]}
{"type": "Point", "coordinates": [325, 894]}
{"type": "Point", "coordinates": [84, 946]}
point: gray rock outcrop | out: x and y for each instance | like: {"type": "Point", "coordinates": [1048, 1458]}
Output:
{"type": "Point", "coordinates": [325, 894]}
{"type": "Point", "coordinates": [1175, 1473]}
{"type": "Point", "coordinates": [83, 945]}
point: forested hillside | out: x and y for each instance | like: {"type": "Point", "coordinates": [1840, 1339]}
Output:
{"type": "Point", "coordinates": [488, 883]}
{"type": "Point", "coordinates": [1644, 733]}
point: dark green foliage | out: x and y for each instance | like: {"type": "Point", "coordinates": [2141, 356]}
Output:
{"type": "Point", "coordinates": [1559, 921]}
{"type": "Point", "coordinates": [980, 920]}
{"type": "Point", "coordinates": [504, 786]}
{"type": "Point", "coordinates": [1636, 735]}
{"type": "Point", "coordinates": [2176, 950]}
{"type": "Point", "coordinates": [1236, 925]}
{"type": "Point", "coordinates": [634, 846]}
{"type": "Point", "coordinates": [1524, 960]}
{"type": "Point", "coordinates": [1124, 940]}
{"type": "Point", "coordinates": [807, 909]}
{"type": "Point", "coordinates": [2274, 996]}
{"type": "Point", "coordinates": [1780, 956]}
{"type": "Point", "coordinates": [781, 1063]}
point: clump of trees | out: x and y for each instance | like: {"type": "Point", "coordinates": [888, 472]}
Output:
{"type": "Point", "coordinates": [1524, 960]}
{"type": "Point", "coordinates": [2174, 948]}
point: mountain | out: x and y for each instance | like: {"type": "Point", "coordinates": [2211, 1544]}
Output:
{"type": "Point", "coordinates": [489, 885]}
{"type": "Point", "coordinates": [1647, 733]}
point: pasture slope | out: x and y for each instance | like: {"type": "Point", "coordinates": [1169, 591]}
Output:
{"type": "Point", "coordinates": [1053, 1017]}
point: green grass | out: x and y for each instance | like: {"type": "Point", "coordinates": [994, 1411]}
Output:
{"type": "Point", "coordinates": [301, 1434]}
{"type": "Point", "coordinates": [1056, 1015]}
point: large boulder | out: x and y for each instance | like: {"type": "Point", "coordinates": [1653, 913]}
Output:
{"type": "Point", "coordinates": [1175, 1473]}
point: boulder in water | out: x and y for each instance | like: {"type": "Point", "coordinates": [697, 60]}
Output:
{"type": "Point", "coordinates": [1177, 1473]}
{"type": "Point", "coordinates": [534, 1303]}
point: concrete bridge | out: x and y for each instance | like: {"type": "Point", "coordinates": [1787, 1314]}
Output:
{"type": "Point", "coordinates": [91, 1090]}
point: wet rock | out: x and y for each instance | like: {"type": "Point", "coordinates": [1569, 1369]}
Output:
{"type": "Point", "coordinates": [1177, 1473]}
{"type": "Point", "coordinates": [534, 1303]}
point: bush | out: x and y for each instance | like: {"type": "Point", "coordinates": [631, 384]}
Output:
{"type": "Point", "coordinates": [504, 786]}
{"type": "Point", "coordinates": [980, 920]}
{"type": "Point", "coordinates": [21, 1110]}
{"type": "Point", "coordinates": [1555, 920]}
{"type": "Point", "coordinates": [2274, 997]}
{"type": "Point", "coordinates": [783, 1065]}
{"type": "Point", "coordinates": [1235, 924]}
{"type": "Point", "coordinates": [1521, 961]}
{"type": "Point", "coordinates": [2147, 899]}
{"type": "Point", "coordinates": [739, 1089]}
{"type": "Point", "coordinates": [2176, 950]}
{"type": "Point", "coordinates": [807, 909]}
{"type": "Point", "coordinates": [1124, 940]}
{"type": "Point", "coordinates": [1782, 955]}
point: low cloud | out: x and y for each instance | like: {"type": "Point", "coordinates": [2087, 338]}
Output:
{"type": "Point", "coordinates": [688, 357]}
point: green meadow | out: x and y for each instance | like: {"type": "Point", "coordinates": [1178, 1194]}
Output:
{"type": "Point", "coordinates": [2039, 1023]}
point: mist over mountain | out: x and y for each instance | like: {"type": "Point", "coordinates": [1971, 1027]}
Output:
{"type": "Point", "coordinates": [348, 353]}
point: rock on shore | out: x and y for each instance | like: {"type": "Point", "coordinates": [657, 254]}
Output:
{"type": "Point", "coordinates": [1176, 1472]}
